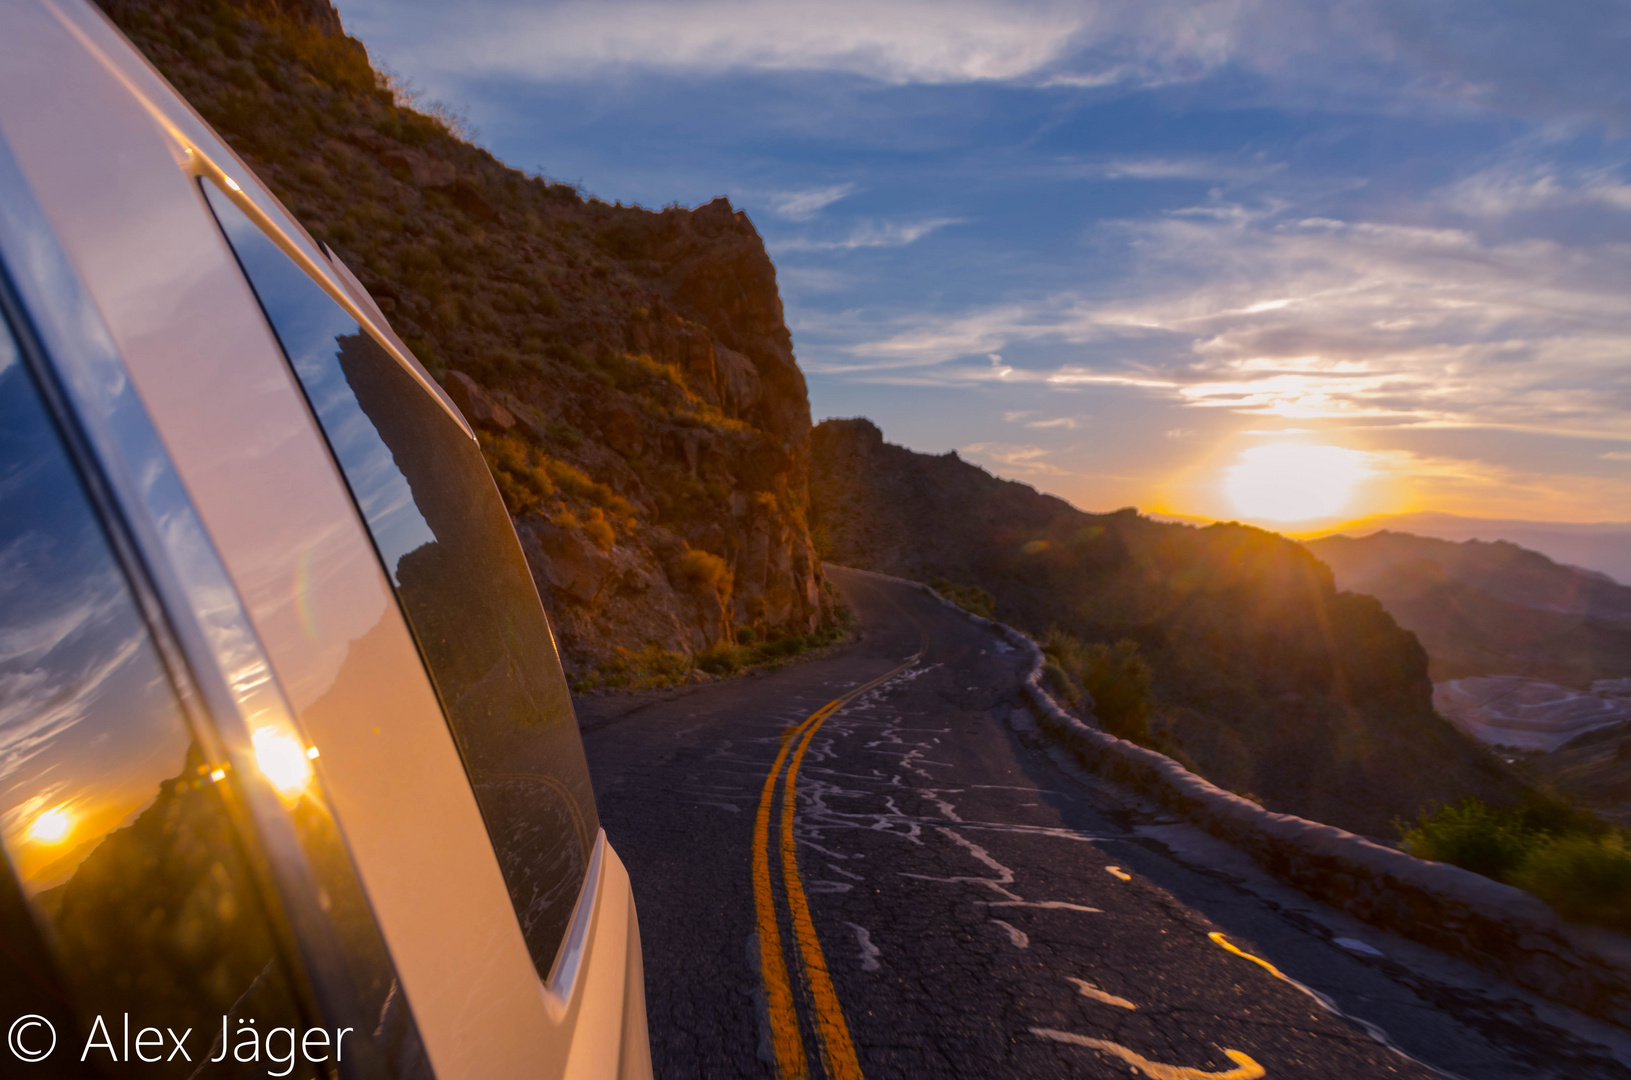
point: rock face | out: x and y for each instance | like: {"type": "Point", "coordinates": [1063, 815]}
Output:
{"type": "Point", "coordinates": [629, 372]}
{"type": "Point", "coordinates": [1269, 681]}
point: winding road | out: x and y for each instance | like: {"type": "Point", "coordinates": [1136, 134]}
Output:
{"type": "Point", "coordinates": [870, 864]}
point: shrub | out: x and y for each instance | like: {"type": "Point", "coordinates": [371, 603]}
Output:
{"type": "Point", "coordinates": [1582, 870]}
{"type": "Point", "coordinates": [600, 531]}
{"type": "Point", "coordinates": [1474, 836]}
{"type": "Point", "coordinates": [787, 646]}
{"type": "Point", "coordinates": [1115, 678]}
{"type": "Point", "coordinates": [1119, 680]}
{"type": "Point", "coordinates": [1583, 877]}
{"type": "Point", "coordinates": [723, 659]}
{"type": "Point", "coordinates": [745, 635]}
{"type": "Point", "coordinates": [1060, 682]}
{"type": "Point", "coordinates": [521, 470]}
{"type": "Point", "coordinates": [970, 598]}
{"type": "Point", "coordinates": [705, 573]}
{"type": "Point", "coordinates": [650, 668]}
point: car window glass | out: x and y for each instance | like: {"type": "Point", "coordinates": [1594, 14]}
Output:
{"type": "Point", "coordinates": [115, 837]}
{"type": "Point", "coordinates": [451, 553]}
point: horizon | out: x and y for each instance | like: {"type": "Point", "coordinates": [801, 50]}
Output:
{"type": "Point", "coordinates": [1274, 263]}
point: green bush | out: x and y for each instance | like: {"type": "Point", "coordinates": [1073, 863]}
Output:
{"type": "Point", "coordinates": [1060, 683]}
{"type": "Point", "coordinates": [1474, 836]}
{"type": "Point", "coordinates": [1587, 878]}
{"type": "Point", "coordinates": [970, 598]}
{"type": "Point", "coordinates": [787, 646]}
{"type": "Point", "coordinates": [1116, 677]}
{"type": "Point", "coordinates": [745, 635]}
{"type": "Point", "coordinates": [724, 659]}
{"type": "Point", "coordinates": [1577, 866]}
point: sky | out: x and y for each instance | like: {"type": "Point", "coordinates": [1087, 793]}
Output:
{"type": "Point", "coordinates": [1274, 260]}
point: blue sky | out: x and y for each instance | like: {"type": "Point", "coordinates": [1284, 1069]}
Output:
{"type": "Point", "coordinates": [1114, 249]}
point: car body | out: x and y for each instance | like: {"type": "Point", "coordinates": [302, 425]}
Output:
{"type": "Point", "coordinates": [286, 751]}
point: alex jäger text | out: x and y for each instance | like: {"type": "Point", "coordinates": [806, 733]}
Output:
{"type": "Point", "coordinates": [278, 1046]}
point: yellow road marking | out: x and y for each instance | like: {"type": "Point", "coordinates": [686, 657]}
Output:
{"type": "Point", "coordinates": [1116, 871]}
{"type": "Point", "coordinates": [792, 1063]}
{"type": "Point", "coordinates": [1258, 960]}
{"type": "Point", "coordinates": [1246, 1068]}
{"type": "Point", "coordinates": [785, 1040]}
{"type": "Point", "coordinates": [836, 1046]}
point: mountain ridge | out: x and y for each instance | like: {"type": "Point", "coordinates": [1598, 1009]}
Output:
{"type": "Point", "coordinates": [1491, 607]}
{"type": "Point", "coordinates": [1269, 680]}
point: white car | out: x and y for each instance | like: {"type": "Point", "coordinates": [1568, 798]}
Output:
{"type": "Point", "coordinates": [290, 780]}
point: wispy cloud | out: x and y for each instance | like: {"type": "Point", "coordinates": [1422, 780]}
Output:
{"type": "Point", "coordinates": [1527, 186]}
{"type": "Point", "coordinates": [872, 234]}
{"type": "Point", "coordinates": [1009, 458]}
{"type": "Point", "coordinates": [1179, 168]}
{"type": "Point", "coordinates": [804, 205]}
{"type": "Point", "coordinates": [1318, 318]}
{"type": "Point", "coordinates": [923, 41]}
{"type": "Point", "coordinates": [1534, 59]}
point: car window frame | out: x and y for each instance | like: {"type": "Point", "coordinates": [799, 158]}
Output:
{"type": "Point", "coordinates": [180, 586]}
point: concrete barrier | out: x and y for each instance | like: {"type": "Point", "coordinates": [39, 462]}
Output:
{"type": "Point", "coordinates": [1498, 928]}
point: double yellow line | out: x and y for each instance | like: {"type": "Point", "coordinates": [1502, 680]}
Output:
{"type": "Point", "coordinates": [837, 1050]}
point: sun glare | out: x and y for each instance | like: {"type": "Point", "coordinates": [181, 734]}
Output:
{"type": "Point", "coordinates": [51, 827]}
{"type": "Point", "coordinates": [282, 759]}
{"type": "Point", "coordinates": [1294, 481]}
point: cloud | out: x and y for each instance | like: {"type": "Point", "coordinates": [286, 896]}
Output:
{"type": "Point", "coordinates": [1316, 318]}
{"type": "Point", "coordinates": [1523, 187]}
{"type": "Point", "coordinates": [1179, 168]}
{"type": "Point", "coordinates": [1010, 458]}
{"type": "Point", "coordinates": [804, 205]}
{"type": "Point", "coordinates": [812, 279]}
{"type": "Point", "coordinates": [1531, 59]}
{"type": "Point", "coordinates": [876, 234]}
{"type": "Point", "coordinates": [1059, 422]}
{"type": "Point", "coordinates": [917, 41]}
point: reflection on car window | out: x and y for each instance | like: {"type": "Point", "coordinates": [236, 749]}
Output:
{"type": "Point", "coordinates": [451, 553]}
{"type": "Point", "coordinates": [114, 834]}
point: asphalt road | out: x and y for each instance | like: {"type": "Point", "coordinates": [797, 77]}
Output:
{"type": "Point", "coordinates": [947, 897]}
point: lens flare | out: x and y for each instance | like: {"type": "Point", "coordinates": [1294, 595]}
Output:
{"type": "Point", "coordinates": [282, 759]}
{"type": "Point", "coordinates": [51, 827]}
{"type": "Point", "coordinates": [1294, 481]}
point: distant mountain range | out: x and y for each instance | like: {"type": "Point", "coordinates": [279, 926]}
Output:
{"type": "Point", "coordinates": [1491, 608]}
{"type": "Point", "coordinates": [1603, 546]}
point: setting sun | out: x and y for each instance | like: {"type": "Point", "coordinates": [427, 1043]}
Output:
{"type": "Point", "coordinates": [1294, 481]}
{"type": "Point", "coordinates": [51, 827]}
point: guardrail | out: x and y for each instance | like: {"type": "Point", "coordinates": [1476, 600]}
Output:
{"type": "Point", "coordinates": [1496, 927]}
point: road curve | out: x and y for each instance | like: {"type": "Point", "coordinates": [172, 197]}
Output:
{"type": "Point", "coordinates": [941, 896]}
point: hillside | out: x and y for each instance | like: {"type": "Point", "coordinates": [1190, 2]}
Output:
{"type": "Point", "coordinates": [1269, 680]}
{"type": "Point", "coordinates": [630, 371]}
{"type": "Point", "coordinates": [1491, 608]}
{"type": "Point", "coordinates": [1603, 546]}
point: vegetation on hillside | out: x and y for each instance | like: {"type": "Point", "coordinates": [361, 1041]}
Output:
{"type": "Point", "coordinates": [1549, 848]}
{"type": "Point", "coordinates": [1112, 680]}
{"type": "Point", "coordinates": [645, 413]}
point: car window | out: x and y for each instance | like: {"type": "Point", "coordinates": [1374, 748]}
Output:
{"type": "Point", "coordinates": [452, 556]}
{"type": "Point", "coordinates": [124, 887]}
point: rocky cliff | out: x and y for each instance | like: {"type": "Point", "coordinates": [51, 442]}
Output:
{"type": "Point", "coordinates": [1269, 680]}
{"type": "Point", "coordinates": [630, 371]}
